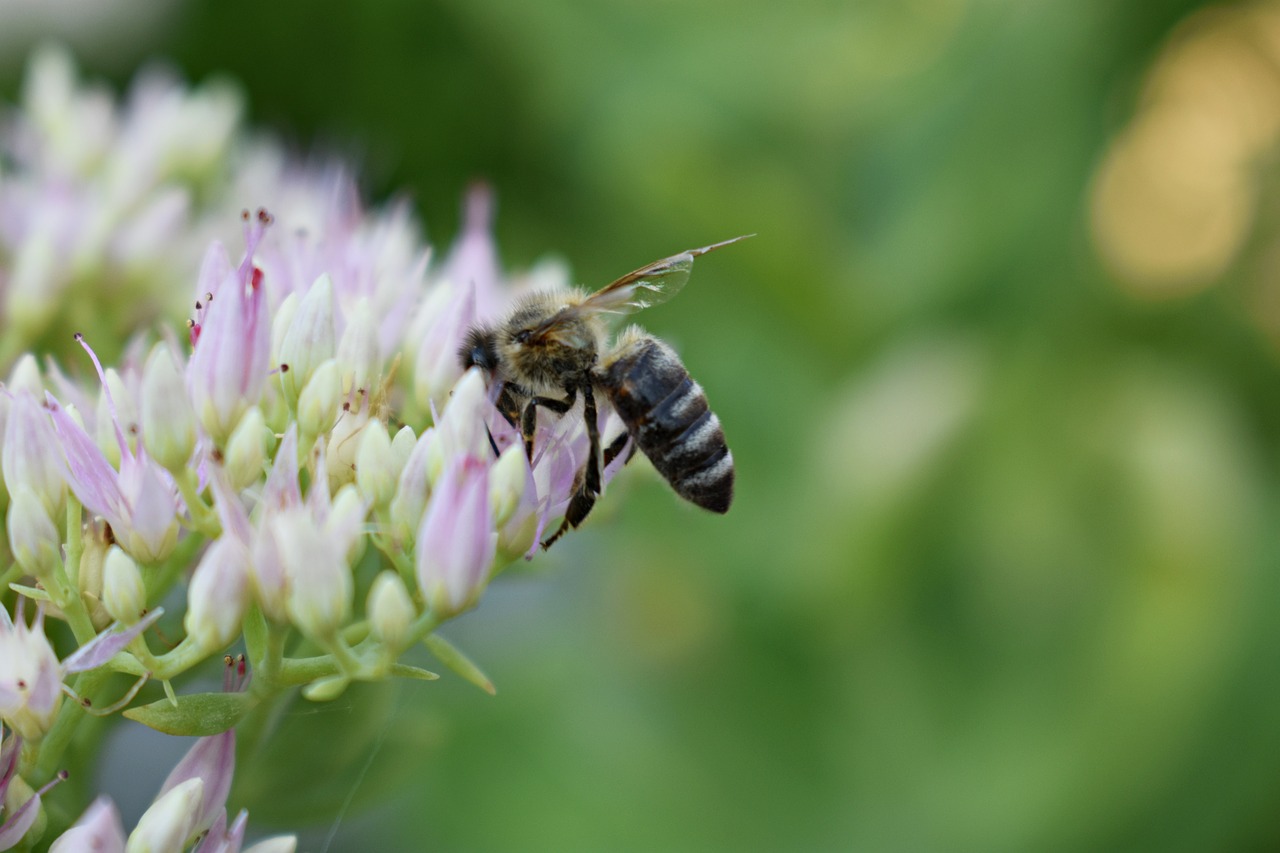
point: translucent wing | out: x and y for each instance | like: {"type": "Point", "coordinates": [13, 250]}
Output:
{"type": "Point", "coordinates": [651, 284]}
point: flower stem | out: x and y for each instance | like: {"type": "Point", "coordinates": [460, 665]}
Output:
{"type": "Point", "coordinates": [51, 748]}
{"type": "Point", "coordinates": [203, 518]}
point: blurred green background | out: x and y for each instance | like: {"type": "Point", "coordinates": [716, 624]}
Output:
{"type": "Point", "coordinates": [998, 372]}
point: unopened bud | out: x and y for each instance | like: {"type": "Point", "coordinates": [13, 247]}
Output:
{"type": "Point", "coordinates": [390, 611]}
{"type": "Point", "coordinates": [402, 445]}
{"type": "Point", "coordinates": [345, 525]}
{"type": "Point", "coordinates": [34, 284]}
{"type": "Point", "coordinates": [126, 411]}
{"type": "Point", "coordinates": [170, 821]}
{"type": "Point", "coordinates": [89, 573]}
{"type": "Point", "coordinates": [411, 492]}
{"type": "Point", "coordinates": [456, 540]}
{"type": "Point", "coordinates": [358, 350]}
{"type": "Point", "coordinates": [376, 471]}
{"type": "Point", "coordinates": [280, 322]}
{"type": "Point", "coordinates": [319, 587]}
{"type": "Point", "coordinates": [462, 427]}
{"type": "Point", "coordinates": [435, 363]}
{"type": "Point", "coordinates": [309, 340]}
{"type": "Point", "coordinates": [343, 447]}
{"type": "Point", "coordinates": [26, 377]}
{"type": "Point", "coordinates": [33, 537]}
{"type": "Point", "coordinates": [168, 420]}
{"type": "Point", "coordinates": [33, 455]}
{"type": "Point", "coordinates": [507, 479]}
{"type": "Point", "coordinates": [124, 595]}
{"type": "Point", "coordinates": [218, 594]}
{"type": "Point", "coordinates": [318, 404]}
{"type": "Point", "coordinates": [246, 451]}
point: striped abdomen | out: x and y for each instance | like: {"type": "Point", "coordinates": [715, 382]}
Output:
{"type": "Point", "coordinates": [666, 413]}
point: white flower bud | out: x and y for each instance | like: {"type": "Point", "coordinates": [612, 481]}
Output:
{"type": "Point", "coordinates": [90, 571]}
{"type": "Point", "coordinates": [358, 350]}
{"type": "Point", "coordinates": [411, 492]}
{"type": "Point", "coordinates": [444, 319]}
{"type": "Point", "coordinates": [344, 444]}
{"type": "Point", "coordinates": [462, 427]}
{"type": "Point", "coordinates": [318, 404]}
{"type": "Point", "coordinates": [402, 446]}
{"type": "Point", "coordinates": [218, 594]}
{"type": "Point", "coordinates": [280, 326]}
{"type": "Point", "coordinates": [124, 594]}
{"type": "Point", "coordinates": [267, 577]}
{"type": "Point", "coordinates": [246, 451]}
{"type": "Point", "coordinates": [390, 611]}
{"type": "Point", "coordinates": [345, 525]}
{"type": "Point", "coordinates": [507, 479]}
{"type": "Point", "coordinates": [126, 411]}
{"type": "Point", "coordinates": [376, 471]}
{"type": "Point", "coordinates": [168, 420]}
{"type": "Point", "coordinates": [319, 585]}
{"type": "Point", "coordinates": [309, 340]}
{"type": "Point", "coordinates": [33, 537]}
{"type": "Point", "coordinates": [35, 284]}
{"type": "Point", "coordinates": [33, 455]}
{"type": "Point", "coordinates": [170, 821]}
{"type": "Point", "coordinates": [26, 377]}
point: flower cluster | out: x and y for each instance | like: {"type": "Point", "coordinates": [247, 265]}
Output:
{"type": "Point", "coordinates": [292, 436]}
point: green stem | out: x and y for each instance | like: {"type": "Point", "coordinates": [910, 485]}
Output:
{"type": "Point", "coordinates": [185, 655]}
{"type": "Point", "coordinates": [64, 593]}
{"type": "Point", "coordinates": [48, 757]}
{"type": "Point", "coordinates": [203, 518]}
{"type": "Point", "coordinates": [295, 671]}
{"type": "Point", "coordinates": [163, 577]}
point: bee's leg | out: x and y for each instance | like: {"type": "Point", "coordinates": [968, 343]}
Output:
{"type": "Point", "coordinates": [510, 411]}
{"type": "Point", "coordinates": [579, 505]}
{"type": "Point", "coordinates": [529, 421]}
{"type": "Point", "coordinates": [611, 452]}
{"type": "Point", "coordinates": [507, 405]}
{"type": "Point", "coordinates": [584, 497]}
{"type": "Point", "coordinates": [589, 414]}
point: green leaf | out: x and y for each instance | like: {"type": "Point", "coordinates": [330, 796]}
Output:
{"type": "Point", "coordinates": [449, 655]}
{"type": "Point", "coordinates": [197, 714]}
{"type": "Point", "coordinates": [34, 593]}
{"type": "Point", "coordinates": [403, 670]}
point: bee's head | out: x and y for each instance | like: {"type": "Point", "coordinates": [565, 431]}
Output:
{"type": "Point", "coordinates": [479, 349]}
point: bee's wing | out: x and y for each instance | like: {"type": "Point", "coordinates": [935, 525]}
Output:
{"type": "Point", "coordinates": [650, 285]}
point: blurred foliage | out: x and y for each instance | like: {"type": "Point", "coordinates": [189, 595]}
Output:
{"type": "Point", "coordinates": [1002, 573]}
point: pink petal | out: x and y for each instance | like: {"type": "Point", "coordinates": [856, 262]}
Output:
{"type": "Point", "coordinates": [104, 647]}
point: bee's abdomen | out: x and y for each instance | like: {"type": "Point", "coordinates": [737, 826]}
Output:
{"type": "Point", "coordinates": [667, 414]}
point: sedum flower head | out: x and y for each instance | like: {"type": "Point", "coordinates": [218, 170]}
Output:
{"type": "Point", "coordinates": [292, 428]}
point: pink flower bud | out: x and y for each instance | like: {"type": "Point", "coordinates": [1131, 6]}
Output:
{"type": "Point", "coordinates": [32, 454]}
{"type": "Point", "coordinates": [98, 829]}
{"type": "Point", "coordinates": [228, 368]}
{"type": "Point", "coordinates": [218, 594]}
{"type": "Point", "coordinates": [456, 540]}
{"type": "Point", "coordinates": [30, 676]}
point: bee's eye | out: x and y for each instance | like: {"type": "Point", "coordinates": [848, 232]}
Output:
{"type": "Point", "coordinates": [522, 336]}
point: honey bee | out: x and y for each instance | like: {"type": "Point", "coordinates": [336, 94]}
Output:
{"type": "Point", "coordinates": [554, 343]}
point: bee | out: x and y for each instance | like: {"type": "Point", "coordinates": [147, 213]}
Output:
{"type": "Point", "coordinates": [552, 349]}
